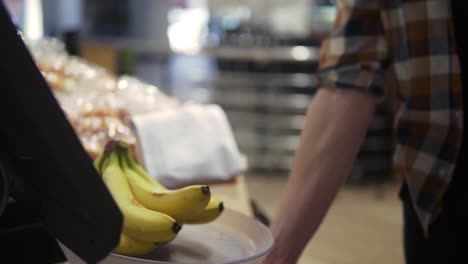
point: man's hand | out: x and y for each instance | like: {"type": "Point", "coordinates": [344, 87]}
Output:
{"type": "Point", "coordinates": [336, 123]}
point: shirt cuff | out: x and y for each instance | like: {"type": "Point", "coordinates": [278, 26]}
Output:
{"type": "Point", "coordinates": [368, 78]}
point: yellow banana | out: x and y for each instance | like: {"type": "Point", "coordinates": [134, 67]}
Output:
{"type": "Point", "coordinates": [132, 164]}
{"type": "Point", "coordinates": [139, 222]}
{"type": "Point", "coordinates": [211, 212]}
{"type": "Point", "coordinates": [180, 204]}
{"type": "Point", "coordinates": [132, 247]}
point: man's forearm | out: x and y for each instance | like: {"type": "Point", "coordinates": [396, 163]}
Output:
{"type": "Point", "coordinates": [336, 124]}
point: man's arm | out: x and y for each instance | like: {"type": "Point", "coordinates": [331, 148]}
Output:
{"type": "Point", "coordinates": [336, 124]}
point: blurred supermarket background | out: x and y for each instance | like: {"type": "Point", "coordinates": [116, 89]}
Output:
{"type": "Point", "coordinates": [256, 59]}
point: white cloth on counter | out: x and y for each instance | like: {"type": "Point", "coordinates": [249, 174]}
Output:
{"type": "Point", "coordinates": [190, 144]}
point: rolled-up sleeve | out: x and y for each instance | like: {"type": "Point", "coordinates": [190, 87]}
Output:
{"type": "Point", "coordinates": [355, 54]}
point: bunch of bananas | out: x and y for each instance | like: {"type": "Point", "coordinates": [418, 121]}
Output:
{"type": "Point", "coordinates": [153, 214]}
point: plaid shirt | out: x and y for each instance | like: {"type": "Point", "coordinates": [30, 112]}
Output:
{"type": "Point", "coordinates": [414, 41]}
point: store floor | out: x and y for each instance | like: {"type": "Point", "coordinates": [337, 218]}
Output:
{"type": "Point", "coordinates": [363, 226]}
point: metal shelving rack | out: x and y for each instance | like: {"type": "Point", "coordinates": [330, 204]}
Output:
{"type": "Point", "coordinates": [265, 93]}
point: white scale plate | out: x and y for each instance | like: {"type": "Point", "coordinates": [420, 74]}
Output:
{"type": "Point", "coordinates": [232, 238]}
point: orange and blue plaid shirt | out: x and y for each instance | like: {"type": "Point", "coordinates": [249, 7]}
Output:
{"type": "Point", "coordinates": [413, 40]}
